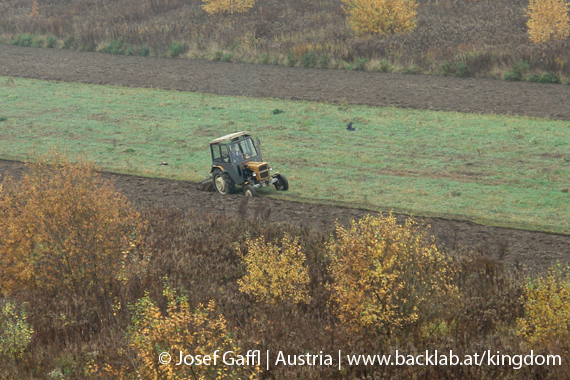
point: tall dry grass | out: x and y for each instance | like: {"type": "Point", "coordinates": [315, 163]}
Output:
{"type": "Point", "coordinates": [452, 37]}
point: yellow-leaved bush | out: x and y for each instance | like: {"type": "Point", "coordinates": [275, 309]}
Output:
{"type": "Point", "coordinates": [388, 277]}
{"type": "Point", "coordinates": [67, 232]}
{"type": "Point", "coordinates": [548, 20]}
{"type": "Point", "coordinates": [381, 17]}
{"type": "Point", "coordinates": [546, 321]}
{"type": "Point", "coordinates": [15, 332]}
{"type": "Point", "coordinates": [275, 272]}
{"type": "Point", "coordinates": [227, 6]}
{"type": "Point", "coordinates": [192, 331]}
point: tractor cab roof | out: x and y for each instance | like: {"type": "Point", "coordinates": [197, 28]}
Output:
{"type": "Point", "coordinates": [230, 137]}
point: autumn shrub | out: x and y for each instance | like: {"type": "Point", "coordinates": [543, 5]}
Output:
{"type": "Point", "coordinates": [546, 320]}
{"type": "Point", "coordinates": [388, 278]}
{"type": "Point", "coordinates": [227, 6]}
{"type": "Point", "coordinates": [197, 332]}
{"type": "Point", "coordinates": [15, 332]}
{"type": "Point", "coordinates": [199, 252]}
{"type": "Point", "coordinates": [381, 17]}
{"type": "Point", "coordinates": [67, 235]}
{"type": "Point", "coordinates": [275, 272]}
{"type": "Point", "coordinates": [548, 20]}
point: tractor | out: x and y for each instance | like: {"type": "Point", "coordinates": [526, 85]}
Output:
{"type": "Point", "coordinates": [236, 160]}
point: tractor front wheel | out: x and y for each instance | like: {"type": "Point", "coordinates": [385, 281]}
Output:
{"type": "Point", "coordinates": [282, 184]}
{"type": "Point", "coordinates": [223, 183]}
{"type": "Point", "coordinates": [249, 191]}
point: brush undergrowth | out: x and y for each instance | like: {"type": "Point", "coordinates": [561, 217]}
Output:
{"type": "Point", "coordinates": [465, 302]}
{"type": "Point", "coordinates": [461, 38]}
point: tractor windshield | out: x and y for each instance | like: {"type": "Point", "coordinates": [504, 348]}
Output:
{"type": "Point", "coordinates": [242, 150]}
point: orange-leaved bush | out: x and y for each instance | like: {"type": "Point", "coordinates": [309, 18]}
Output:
{"type": "Point", "coordinates": [67, 233]}
{"type": "Point", "coordinates": [388, 277]}
{"type": "Point", "coordinates": [546, 322]}
{"type": "Point", "coordinates": [275, 272]}
{"type": "Point", "coordinates": [381, 17]}
{"type": "Point", "coordinates": [548, 20]}
{"type": "Point", "coordinates": [227, 6]}
{"type": "Point", "coordinates": [197, 332]}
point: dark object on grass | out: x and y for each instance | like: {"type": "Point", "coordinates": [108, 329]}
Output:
{"type": "Point", "coordinates": [349, 127]}
{"type": "Point", "coordinates": [3, 118]}
{"type": "Point", "coordinates": [164, 163]}
{"type": "Point", "coordinates": [277, 111]}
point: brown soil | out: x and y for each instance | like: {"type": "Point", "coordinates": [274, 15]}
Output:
{"type": "Point", "coordinates": [533, 249]}
{"type": "Point", "coordinates": [335, 86]}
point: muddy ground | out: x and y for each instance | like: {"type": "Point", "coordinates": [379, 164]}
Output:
{"type": "Point", "coordinates": [535, 250]}
{"type": "Point", "coordinates": [513, 247]}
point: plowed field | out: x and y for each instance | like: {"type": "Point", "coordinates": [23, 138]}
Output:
{"type": "Point", "coordinates": [534, 249]}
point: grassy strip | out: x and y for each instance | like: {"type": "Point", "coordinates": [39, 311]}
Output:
{"type": "Point", "coordinates": [465, 66]}
{"type": "Point", "coordinates": [498, 170]}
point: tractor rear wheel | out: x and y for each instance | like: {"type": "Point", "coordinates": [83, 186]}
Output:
{"type": "Point", "coordinates": [249, 191]}
{"type": "Point", "coordinates": [223, 183]}
{"type": "Point", "coordinates": [282, 184]}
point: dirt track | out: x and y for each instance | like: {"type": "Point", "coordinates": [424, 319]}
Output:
{"type": "Point", "coordinates": [378, 89]}
{"type": "Point", "coordinates": [534, 249]}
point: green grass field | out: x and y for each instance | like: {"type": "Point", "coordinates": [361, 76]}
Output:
{"type": "Point", "coordinates": [497, 170]}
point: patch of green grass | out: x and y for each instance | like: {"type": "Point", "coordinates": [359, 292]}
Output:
{"type": "Point", "coordinates": [499, 170]}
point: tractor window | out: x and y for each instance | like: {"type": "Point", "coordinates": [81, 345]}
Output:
{"type": "Point", "coordinates": [242, 150]}
{"type": "Point", "coordinates": [248, 148]}
{"type": "Point", "coordinates": [220, 153]}
{"type": "Point", "coordinates": [236, 153]}
{"type": "Point", "coordinates": [216, 153]}
{"type": "Point", "coordinates": [225, 154]}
